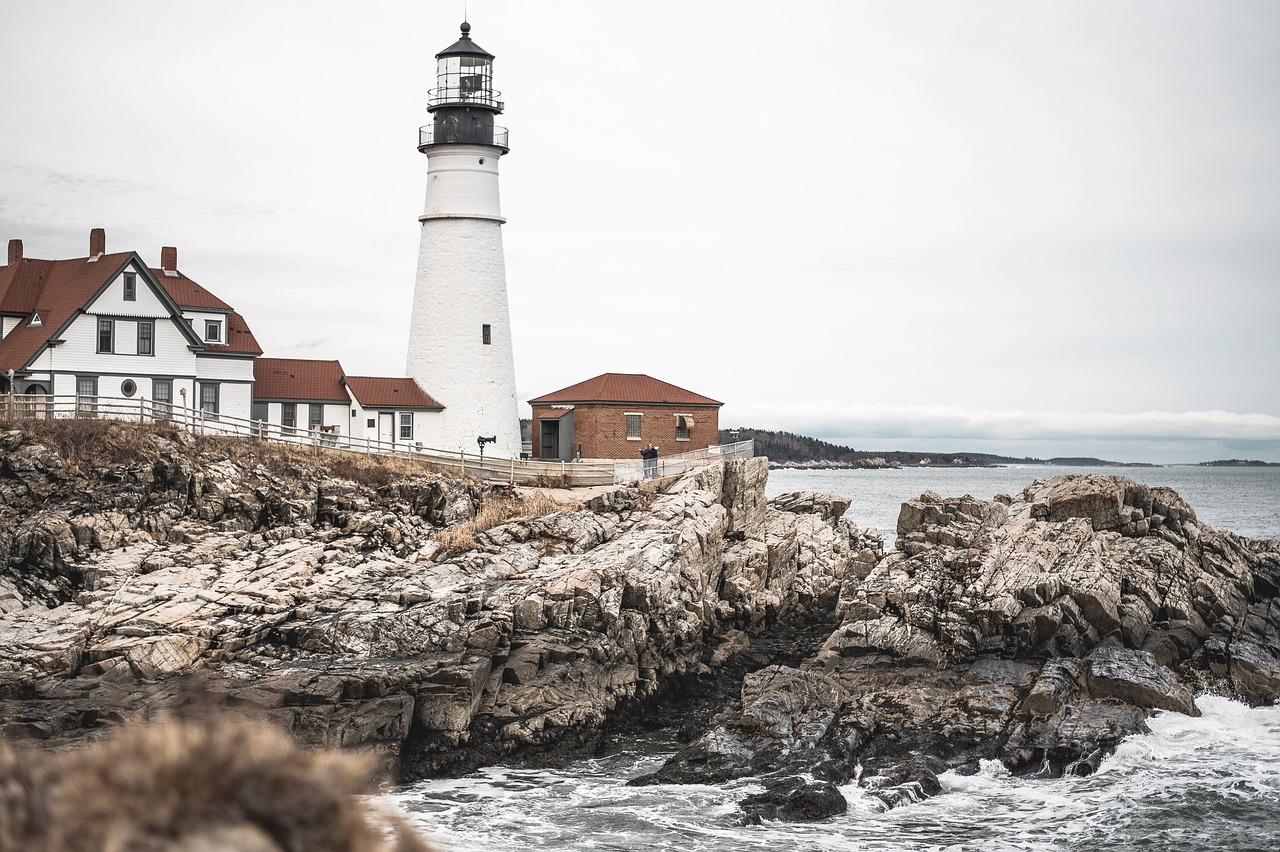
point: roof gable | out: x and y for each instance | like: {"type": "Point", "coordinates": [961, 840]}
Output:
{"type": "Point", "coordinates": [55, 289]}
{"type": "Point", "coordinates": [58, 290]}
{"type": "Point", "coordinates": [636, 388]}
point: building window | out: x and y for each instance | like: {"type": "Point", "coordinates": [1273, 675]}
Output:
{"type": "Point", "coordinates": [315, 416]}
{"type": "Point", "coordinates": [106, 335]}
{"type": "Point", "coordinates": [486, 334]}
{"type": "Point", "coordinates": [146, 337]}
{"type": "Point", "coordinates": [130, 286]}
{"type": "Point", "coordinates": [128, 388]}
{"type": "Point", "coordinates": [369, 423]}
{"type": "Point", "coordinates": [213, 331]}
{"type": "Point", "coordinates": [288, 417]}
{"type": "Point", "coordinates": [406, 426]}
{"type": "Point", "coordinates": [87, 395]}
{"type": "Point", "coordinates": [209, 400]}
{"type": "Point", "coordinates": [683, 424]}
{"type": "Point", "coordinates": [162, 394]}
{"type": "Point", "coordinates": [633, 427]}
{"type": "Point", "coordinates": [258, 411]}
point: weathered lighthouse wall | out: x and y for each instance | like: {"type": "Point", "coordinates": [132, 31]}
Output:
{"type": "Point", "coordinates": [461, 288]}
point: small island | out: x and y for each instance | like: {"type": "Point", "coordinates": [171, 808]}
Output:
{"type": "Point", "coordinates": [786, 449]}
{"type": "Point", "coordinates": [1239, 463]}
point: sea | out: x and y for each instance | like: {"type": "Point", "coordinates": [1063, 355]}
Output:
{"type": "Point", "coordinates": [1211, 782]}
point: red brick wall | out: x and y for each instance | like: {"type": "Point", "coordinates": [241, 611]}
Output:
{"type": "Point", "coordinates": [601, 430]}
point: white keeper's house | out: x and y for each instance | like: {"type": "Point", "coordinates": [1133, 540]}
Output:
{"type": "Point", "coordinates": [108, 325]}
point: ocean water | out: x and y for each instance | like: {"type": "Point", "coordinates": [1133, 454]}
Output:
{"type": "Point", "coordinates": [1211, 782]}
{"type": "Point", "coordinates": [1245, 500]}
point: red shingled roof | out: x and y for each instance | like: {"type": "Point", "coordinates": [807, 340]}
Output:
{"type": "Point", "coordinates": [298, 378]}
{"type": "Point", "coordinates": [634, 388]}
{"type": "Point", "coordinates": [380, 392]}
{"type": "Point", "coordinates": [187, 293]}
{"type": "Point", "coordinates": [240, 339]}
{"type": "Point", "coordinates": [56, 289]}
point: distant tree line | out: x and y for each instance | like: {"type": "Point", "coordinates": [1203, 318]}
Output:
{"type": "Point", "coordinates": [788, 447]}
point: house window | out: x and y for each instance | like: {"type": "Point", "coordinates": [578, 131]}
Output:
{"type": "Point", "coordinates": [128, 388]}
{"type": "Point", "coordinates": [162, 394]}
{"type": "Point", "coordinates": [288, 417]}
{"type": "Point", "coordinates": [130, 286]}
{"type": "Point", "coordinates": [213, 331]}
{"type": "Point", "coordinates": [683, 424]}
{"type": "Point", "coordinates": [106, 335]}
{"type": "Point", "coordinates": [315, 416]}
{"type": "Point", "coordinates": [146, 337]}
{"type": "Point", "coordinates": [406, 425]}
{"type": "Point", "coordinates": [633, 427]}
{"type": "Point", "coordinates": [87, 395]}
{"type": "Point", "coordinates": [369, 423]}
{"type": "Point", "coordinates": [209, 399]}
{"type": "Point", "coordinates": [486, 334]}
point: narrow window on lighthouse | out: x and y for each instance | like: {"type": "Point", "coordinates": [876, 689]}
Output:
{"type": "Point", "coordinates": [486, 335]}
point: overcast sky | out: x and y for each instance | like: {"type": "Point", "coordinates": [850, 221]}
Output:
{"type": "Point", "coordinates": [1035, 228]}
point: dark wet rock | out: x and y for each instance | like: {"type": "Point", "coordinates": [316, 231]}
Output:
{"type": "Point", "coordinates": [793, 799]}
{"type": "Point", "coordinates": [1038, 630]}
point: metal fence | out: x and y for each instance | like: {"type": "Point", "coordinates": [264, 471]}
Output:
{"type": "Point", "coordinates": [546, 474]}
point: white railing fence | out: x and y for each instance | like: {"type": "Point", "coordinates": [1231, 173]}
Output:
{"type": "Point", "coordinates": [548, 474]}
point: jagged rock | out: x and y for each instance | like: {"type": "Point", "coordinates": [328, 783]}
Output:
{"type": "Point", "coordinates": [328, 608]}
{"type": "Point", "coordinates": [1039, 630]}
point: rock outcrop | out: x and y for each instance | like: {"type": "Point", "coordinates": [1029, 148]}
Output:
{"type": "Point", "coordinates": [332, 609]}
{"type": "Point", "coordinates": [1038, 630]}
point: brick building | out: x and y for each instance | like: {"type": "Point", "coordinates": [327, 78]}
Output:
{"type": "Point", "coordinates": [615, 415]}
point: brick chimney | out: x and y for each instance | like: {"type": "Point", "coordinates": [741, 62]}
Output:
{"type": "Point", "coordinates": [169, 258]}
{"type": "Point", "coordinates": [15, 252]}
{"type": "Point", "coordinates": [97, 242]}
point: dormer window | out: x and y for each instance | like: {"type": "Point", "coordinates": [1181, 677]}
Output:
{"type": "Point", "coordinates": [35, 321]}
{"type": "Point", "coordinates": [130, 286]}
{"type": "Point", "coordinates": [213, 331]}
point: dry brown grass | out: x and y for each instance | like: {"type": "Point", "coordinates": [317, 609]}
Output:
{"type": "Point", "coordinates": [496, 511]}
{"type": "Point", "coordinates": [182, 787]}
{"type": "Point", "coordinates": [94, 443]}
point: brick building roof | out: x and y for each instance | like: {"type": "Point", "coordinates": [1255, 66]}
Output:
{"type": "Point", "coordinates": [633, 388]}
{"type": "Point", "coordinates": [382, 392]}
{"type": "Point", "coordinates": [298, 378]}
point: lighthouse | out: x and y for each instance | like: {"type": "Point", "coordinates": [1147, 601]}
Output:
{"type": "Point", "coordinates": [460, 330]}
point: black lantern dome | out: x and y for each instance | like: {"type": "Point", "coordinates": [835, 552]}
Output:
{"type": "Point", "coordinates": [464, 102]}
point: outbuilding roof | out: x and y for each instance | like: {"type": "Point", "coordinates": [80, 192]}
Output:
{"type": "Point", "coordinates": [386, 392]}
{"type": "Point", "coordinates": [635, 388]}
{"type": "Point", "coordinates": [298, 379]}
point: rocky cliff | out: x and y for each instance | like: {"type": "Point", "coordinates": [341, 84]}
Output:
{"type": "Point", "coordinates": [194, 575]}
{"type": "Point", "coordinates": [1037, 631]}
{"type": "Point", "coordinates": [154, 571]}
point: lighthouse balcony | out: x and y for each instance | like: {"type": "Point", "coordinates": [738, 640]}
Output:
{"type": "Point", "coordinates": [465, 94]}
{"type": "Point", "coordinates": [463, 134]}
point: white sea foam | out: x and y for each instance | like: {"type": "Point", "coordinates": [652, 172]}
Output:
{"type": "Point", "coordinates": [1193, 783]}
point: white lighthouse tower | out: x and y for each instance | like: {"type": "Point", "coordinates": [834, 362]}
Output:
{"type": "Point", "coordinates": [460, 333]}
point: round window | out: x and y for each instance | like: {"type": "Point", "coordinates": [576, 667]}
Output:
{"type": "Point", "coordinates": [129, 387]}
